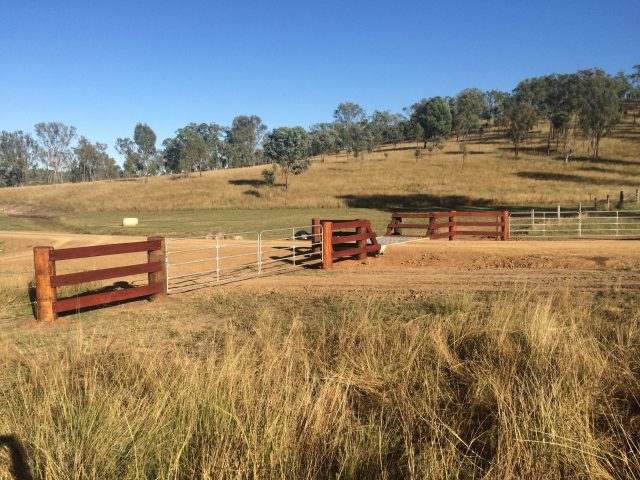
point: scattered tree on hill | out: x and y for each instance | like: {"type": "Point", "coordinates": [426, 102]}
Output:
{"type": "Point", "coordinates": [468, 107]}
{"type": "Point", "coordinates": [141, 156]}
{"type": "Point", "coordinates": [92, 162]}
{"type": "Point", "coordinates": [324, 140]}
{"type": "Point", "coordinates": [434, 116]}
{"type": "Point", "coordinates": [464, 151]}
{"type": "Point", "coordinates": [289, 149]}
{"type": "Point", "coordinates": [634, 94]}
{"type": "Point", "coordinates": [194, 155]}
{"type": "Point", "coordinates": [522, 117]}
{"type": "Point", "coordinates": [269, 175]}
{"type": "Point", "coordinates": [55, 139]}
{"type": "Point", "coordinates": [18, 158]}
{"type": "Point", "coordinates": [434, 145]}
{"type": "Point", "coordinates": [349, 113]}
{"type": "Point", "coordinates": [244, 139]}
{"type": "Point", "coordinates": [350, 118]}
{"type": "Point", "coordinates": [599, 106]}
{"type": "Point", "coordinates": [210, 138]}
{"type": "Point", "coordinates": [560, 123]}
{"type": "Point", "coordinates": [494, 107]}
{"type": "Point", "coordinates": [384, 127]}
{"type": "Point", "coordinates": [360, 140]}
{"type": "Point", "coordinates": [417, 133]}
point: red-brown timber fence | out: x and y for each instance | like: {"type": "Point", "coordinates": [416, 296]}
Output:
{"type": "Point", "coordinates": [338, 243]}
{"type": "Point", "coordinates": [457, 224]}
{"type": "Point", "coordinates": [48, 306]}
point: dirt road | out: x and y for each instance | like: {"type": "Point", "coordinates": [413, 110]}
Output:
{"type": "Point", "coordinates": [464, 265]}
{"type": "Point", "coordinates": [468, 265]}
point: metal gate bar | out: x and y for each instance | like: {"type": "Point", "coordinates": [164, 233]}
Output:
{"type": "Point", "coordinates": [272, 251]}
{"type": "Point", "coordinates": [572, 224]}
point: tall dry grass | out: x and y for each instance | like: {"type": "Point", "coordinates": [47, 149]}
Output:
{"type": "Point", "coordinates": [297, 386]}
{"type": "Point", "coordinates": [388, 178]}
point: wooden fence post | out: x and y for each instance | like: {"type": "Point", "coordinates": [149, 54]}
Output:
{"type": "Point", "coordinates": [398, 231]}
{"type": "Point", "coordinates": [46, 294]}
{"type": "Point", "coordinates": [158, 278]}
{"type": "Point", "coordinates": [505, 225]}
{"type": "Point", "coordinates": [316, 231]}
{"type": "Point", "coordinates": [621, 202]}
{"type": "Point", "coordinates": [452, 226]}
{"type": "Point", "coordinates": [327, 246]}
{"type": "Point", "coordinates": [361, 243]}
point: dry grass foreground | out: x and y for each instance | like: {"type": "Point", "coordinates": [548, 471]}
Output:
{"type": "Point", "coordinates": [245, 385]}
{"type": "Point", "coordinates": [388, 178]}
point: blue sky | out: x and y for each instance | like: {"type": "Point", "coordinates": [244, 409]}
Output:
{"type": "Point", "coordinates": [103, 66]}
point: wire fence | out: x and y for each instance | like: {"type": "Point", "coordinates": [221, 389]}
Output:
{"type": "Point", "coordinates": [197, 262]}
{"type": "Point", "coordinates": [574, 224]}
{"type": "Point", "coordinates": [625, 199]}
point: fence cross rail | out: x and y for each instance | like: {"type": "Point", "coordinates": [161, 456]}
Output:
{"type": "Point", "coordinates": [575, 224]}
{"type": "Point", "coordinates": [499, 224]}
{"type": "Point", "coordinates": [47, 280]}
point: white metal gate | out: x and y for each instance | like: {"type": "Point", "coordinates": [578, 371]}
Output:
{"type": "Point", "coordinates": [574, 224]}
{"type": "Point", "coordinates": [197, 262]}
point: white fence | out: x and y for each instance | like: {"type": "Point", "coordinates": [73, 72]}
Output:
{"type": "Point", "coordinates": [574, 224]}
{"type": "Point", "coordinates": [196, 262]}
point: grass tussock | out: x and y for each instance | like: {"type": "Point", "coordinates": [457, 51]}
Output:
{"type": "Point", "coordinates": [299, 386]}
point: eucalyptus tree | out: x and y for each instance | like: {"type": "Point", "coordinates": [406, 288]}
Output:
{"type": "Point", "coordinates": [634, 94]}
{"type": "Point", "coordinates": [210, 139]}
{"type": "Point", "coordinates": [54, 140]}
{"type": "Point", "coordinates": [434, 116]}
{"type": "Point", "coordinates": [324, 139]}
{"type": "Point", "coordinates": [194, 155]}
{"type": "Point", "coordinates": [349, 113]}
{"type": "Point", "coordinates": [349, 118]}
{"type": "Point", "coordinates": [18, 158]}
{"type": "Point", "coordinates": [468, 107]}
{"type": "Point", "coordinates": [92, 162]}
{"type": "Point", "coordinates": [288, 148]}
{"type": "Point", "coordinates": [522, 117]}
{"type": "Point", "coordinates": [384, 128]}
{"type": "Point", "coordinates": [141, 155]}
{"type": "Point", "coordinates": [495, 102]}
{"type": "Point", "coordinates": [244, 137]}
{"type": "Point", "coordinates": [598, 106]}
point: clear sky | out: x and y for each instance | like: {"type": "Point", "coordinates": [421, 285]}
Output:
{"type": "Point", "coordinates": [103, 66]}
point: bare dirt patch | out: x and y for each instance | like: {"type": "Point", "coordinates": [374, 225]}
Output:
{"type": "Point", "coordinates": [437, 266]}
{"type": "Point", "coordinates": [421, 267]}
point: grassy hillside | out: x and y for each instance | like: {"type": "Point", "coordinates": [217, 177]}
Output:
{"type": "Point", "coordinates": [387, 179]}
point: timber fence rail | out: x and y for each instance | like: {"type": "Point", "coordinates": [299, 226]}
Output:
{"type": "Point", "coordinates": [358, 241]}
{"type": "Point", "coordinates": [455, 224]}
{"type": "Point", "coordinates": [48, 306]}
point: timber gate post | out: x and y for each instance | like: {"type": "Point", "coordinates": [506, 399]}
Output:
{"type": "Point", "coordinates": [316, 233]}
{"type": "Point", "coordinates": [362, 244]}
{"type": "Point", "coordinates": [46, 293]}
{"type": "Point", "coordinates": [452, 225]}
{"type": "Point", "coordinates": [505, 225]}
{"type": "Point", "coordinates": [327, 245]}
{"type": "Point", "coordinates": [159, 277]}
